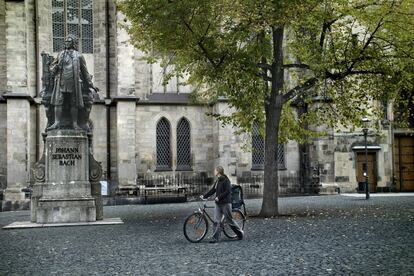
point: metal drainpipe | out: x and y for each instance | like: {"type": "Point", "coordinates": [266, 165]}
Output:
{"type": "Point", "coordinates": [392, 139]}
{"type": "Point", "coordinates": [36, 27]}
{"type": "Point", "coordinates": [108, 96]}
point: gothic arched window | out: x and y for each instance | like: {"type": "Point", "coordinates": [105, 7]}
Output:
{"type": "Point", "coordinates": [163, 145]}
{"type": "Point", "coordinates": [280, 157]}
{"type": "Point", "coordinates": [72, 17]}
{"type": "Point", "coordinates": [183, 145]}
{"type": "Point", "coordinates": [258, 150]}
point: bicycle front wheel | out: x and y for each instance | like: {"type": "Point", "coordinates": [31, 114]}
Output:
{"type": "Point", "coordinates": [238, 217]}
{"type": "Point", "coordinates": [195, 227]}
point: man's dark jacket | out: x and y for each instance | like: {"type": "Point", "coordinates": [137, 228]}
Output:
{"type": "Point", "coordinates": [222, 188]}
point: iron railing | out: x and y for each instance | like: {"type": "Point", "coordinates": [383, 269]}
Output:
{"type": "Point", "coordinates": [189, 186]}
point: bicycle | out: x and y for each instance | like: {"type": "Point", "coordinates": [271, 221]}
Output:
{"type": "Point", "coordinates": [196, 225]}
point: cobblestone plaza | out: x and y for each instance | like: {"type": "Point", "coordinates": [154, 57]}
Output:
{"type": "Point", "coordinates": [331, 235]}
{"type": "Point", "coordinates": [142, 125]}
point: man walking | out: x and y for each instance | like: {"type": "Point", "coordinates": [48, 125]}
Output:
{"type": "Point", "coordinates": [222, 189]}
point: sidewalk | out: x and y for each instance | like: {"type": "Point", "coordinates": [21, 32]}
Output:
{"type": "Point", "coordinates": [379, 194]}
{"type": "Point", "coordinates": [322, 235]}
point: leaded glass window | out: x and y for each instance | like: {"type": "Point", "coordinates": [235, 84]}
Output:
{"type": "Point", "coordinates": [280, 156]}
{"type": "Point", "coordinates": [258, 150]}
{"type": "Point", "coordinates": [158, 83]}
{"type": "Point", "coordinates": [163, 138]}
{"type": "Point", "coordinates": [183, 145]}
{"type": "Point", "coordinates": [72, 17]}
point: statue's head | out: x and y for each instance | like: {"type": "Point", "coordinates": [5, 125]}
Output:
{"type": "Point", "coordinates": [71, 42]}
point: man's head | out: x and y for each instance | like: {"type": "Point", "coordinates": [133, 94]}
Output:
{"type": "Point", "coordinates": [218, 171]}
{"type": "Point", "coordinates": [71, 42]}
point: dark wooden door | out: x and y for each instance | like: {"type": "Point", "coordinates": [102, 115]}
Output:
{"type": "Point", "coordinates": [404, 163]}
{"type": "Point", "coordinates": [372, 179]}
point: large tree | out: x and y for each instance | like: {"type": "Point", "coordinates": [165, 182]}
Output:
{"type": "Point", "coordinates": [262, 55]}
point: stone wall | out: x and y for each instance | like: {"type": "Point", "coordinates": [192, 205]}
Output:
{"type": "Point", "coordinates": [30, 35]}
{"type": "Point", "coordinates": [45, 34]}
{"type": "Point", "coordinates": [18, 147]}
{"type": "Point", "coordinates": [16, 47]}
{"type": "Point", "coordinates": [126, 143]}
{"type": "Point", "coordinates": [346, 158]}
{"type": "Point", "coordinates": [113, 58]}
{"type": "Point", "coordinates": [113, 145]}
{"type": "Point", "coordinates": [321, 157]}
{"type": "Point", "coordinates": [233, 151]}
{"type": "Point", "coordinates": [147, 116]}
{"type": "Point", "coordinates": [99, 142]}
{"type": "Point", "coordinates": [142, 76]}
{"type": "Point", "coordinates": [20, 47]}
{"type": "Point", "coordinates": [292, 162]}
{"type": "Point", "coordinates": [125, 61]}
{"type": "Point", "coordinates": [21, 83]}
{"type": "Point", "coordinates": [228, 146]}
{"type": "Point", "coordinates": [32, 142]}
{"type": "Point", "coordinates": [100, 46]}
{"type": "Point", "coordinates": [3, 44]}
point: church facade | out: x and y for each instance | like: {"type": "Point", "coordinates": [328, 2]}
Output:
{"type": "Point", "coordinates": [143, 127]}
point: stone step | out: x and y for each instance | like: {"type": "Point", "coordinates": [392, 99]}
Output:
{"type": "Point", "coordinates": [329, 190]}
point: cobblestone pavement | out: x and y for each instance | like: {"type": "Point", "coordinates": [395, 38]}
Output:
{"type": "Point", "coordinates": [331, 235]}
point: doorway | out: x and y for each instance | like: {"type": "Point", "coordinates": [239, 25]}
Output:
{"type": "Point", "coordinates": [372, 178]}
{"type": "Point", "coordinates": [404, 163]}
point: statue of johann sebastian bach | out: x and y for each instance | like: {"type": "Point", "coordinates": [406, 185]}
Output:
{"type": "Point", "coordinates": [72, 88]}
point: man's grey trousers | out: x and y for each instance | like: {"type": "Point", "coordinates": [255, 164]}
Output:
{"type": "Point", "coordinates": [224, 211]}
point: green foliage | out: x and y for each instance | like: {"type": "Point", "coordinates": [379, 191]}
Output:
{"type": "Point", "coordinates": [354, 52]}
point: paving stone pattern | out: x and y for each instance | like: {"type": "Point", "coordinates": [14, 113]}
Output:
{"type": "Point", "coordinates": [332, 235]}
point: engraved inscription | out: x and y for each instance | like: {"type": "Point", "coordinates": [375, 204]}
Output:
{"type": "Point", "coordinates": [66, 156]}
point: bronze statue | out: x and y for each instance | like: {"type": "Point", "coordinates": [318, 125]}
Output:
{"type": "Point", "coordinates": [68, 91]}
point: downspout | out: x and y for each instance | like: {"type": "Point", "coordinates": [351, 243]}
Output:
{"type": "Point", "coordinates": [37, 53]}
{"type": "Point", "coordinates": [391, 131]}
{"type": "Point", "coordinates": [392, 140]}
{"type": "Point", "coordinates": [108, 96]}
{"type": "Point", "coordinates": [305, 183]}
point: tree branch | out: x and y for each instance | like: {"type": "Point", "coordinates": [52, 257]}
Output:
{"type": "Point", "coordinates": [264, 77]}
{"type": "Point", "coordinates": [265, 66]}
{"type": "Point", "coordinates": [365, 72]}
{"type": "Point", "coordinates": [367, 43]}
{"type": "Point", "coordinates": [326, 25]}
{"type": "Point", "coordinates": [296, 65]}
{"type": "Point", "coordinates": [299, 89]}
{"type": "Point", "coordinates": [200, 43]}
{"type": "Point", "coordinates": [342, 75]}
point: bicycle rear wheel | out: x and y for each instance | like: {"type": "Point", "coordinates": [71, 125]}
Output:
{"type": "Point", "coordinates": [240, 218]}
{"type": "Point", "coordinates": [195, 227]}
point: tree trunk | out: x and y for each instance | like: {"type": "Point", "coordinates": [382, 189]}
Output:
{"type": "Point", "coordinates": [271, 181]}
{"type": "Point", "coordinates": [273, 110]}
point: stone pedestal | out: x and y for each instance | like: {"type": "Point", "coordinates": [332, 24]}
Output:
{"type": "Point", "coordinates": [66, 194]}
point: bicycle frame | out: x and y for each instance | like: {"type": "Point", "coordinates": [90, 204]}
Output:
{"type": "Point", "coordinates": [204, 212]}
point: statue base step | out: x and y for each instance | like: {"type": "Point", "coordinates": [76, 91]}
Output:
{"type": "Point", "coordinates": [28, 224]}
{"type": "Point", "coordinates": [65, 210]}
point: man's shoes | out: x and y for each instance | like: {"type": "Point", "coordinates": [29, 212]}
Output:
{"type": "Point", "coordinates": [240, 235]}
{"type": "Point", "coordinates": [213, 240]}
